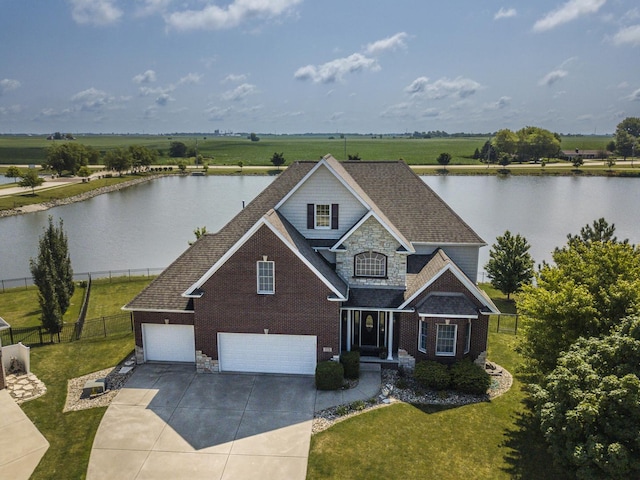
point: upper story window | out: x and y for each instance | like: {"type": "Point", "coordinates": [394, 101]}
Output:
{"type": "Point", "coordinates": [370, 264]}
{"type": "Point", "coordinates": [322, 216]}
{"type": "Point", "coordinates": [266, 277]}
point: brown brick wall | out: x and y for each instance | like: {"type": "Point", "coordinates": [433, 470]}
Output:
{"type": "Point", "coordinates": [409, 328]}
{"type": "Point", "coordinates": [299, 306]}
{"type": "Point", "coordinates": [158, 317]}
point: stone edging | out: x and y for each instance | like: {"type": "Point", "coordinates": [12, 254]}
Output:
{"type": "Point", "coordinates": [327, 418]}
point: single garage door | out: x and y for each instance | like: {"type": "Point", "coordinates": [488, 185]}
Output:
{"type": "Point", "coordinates": [248, 352]}
{"type": "Point", "coordinates": [168, 343]}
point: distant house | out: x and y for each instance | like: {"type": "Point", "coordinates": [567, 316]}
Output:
{"type": "Point", "coordinates": [332, 256]}
{"type": "Point", "coordinates": [585, 154]}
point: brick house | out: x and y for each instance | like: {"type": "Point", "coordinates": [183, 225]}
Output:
{"type": "Point", "coordinates": [330, 257]}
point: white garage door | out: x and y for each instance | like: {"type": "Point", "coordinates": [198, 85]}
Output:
{"type": "Point", "coordinates": [248, 352]}
{"type": "Point", "coordinates": [168, 343]}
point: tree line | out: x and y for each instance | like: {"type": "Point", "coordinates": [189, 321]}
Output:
{"type": "Point", "coordinates": [581, 345]}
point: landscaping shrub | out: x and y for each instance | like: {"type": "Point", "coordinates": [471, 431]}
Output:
{"type": "Point", "coordinates": [329, 375]}
{"type": "Point", "coordinates": [351, 363]}
{"type": "Point", "coordinates": [467, 377]}
{"type": "Point", "coordinates": [432, 374]}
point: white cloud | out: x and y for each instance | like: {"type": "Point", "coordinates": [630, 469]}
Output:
{"type": "Point", "coordinates": [240, 92]}
{"type": "Point", "coordinates": [335, 70]}
{"type": "Point", "coordinates": [8, 84]}
{"type": "Point", "coordinates": [213, 17]}
{"type": "Point", "coordinates": [233, 78]}
{"type": "Point", "coordinates": [505, 13]}
{"type": "Point", "coordinates": [459, 87]}
{"type": "Point", "coordinates": [627, 35]}
{"type": "Point", "coordinates": [147, 91]}
{"type": "Point", "coordinates": [393, 42]}
{"type": "Point", "coordinates": [190, 78]}
{"type": "Point", "coordinates": [95, 12]}
{"type": "Point", "coordinates": [163, 99]}
{"type": "Point", "coordinates": [147, 77]}
{"type": "Point", "coordinates": [635, 96]}
{"type": "Point", "coordinates": [217, 113]}
{"type": "Point", "coordinates": [552, 77]}
{"type": "Point", "coordinates": [566, 13]}
{"type": "Point", "coordinates": [11, 110]}
{"type": "Point", "coordinates": [501, 103]}
{"type": "Point", "coordinates": [91, 99]}
{"type": "Point", "coordinates": [151, 7]}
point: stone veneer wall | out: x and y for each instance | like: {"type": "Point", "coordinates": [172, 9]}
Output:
{"type": "Point", "coordinates": [371, 236]}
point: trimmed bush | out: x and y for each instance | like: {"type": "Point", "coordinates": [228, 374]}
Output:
{"type": "Point", "coordinates": [329, 375]}
{"type": "Point", "coordinates": [467, 377]}
{"type": "Point", "coordinates": [351, 363]}
{"type": "Point", "coordinates": [433, 375]}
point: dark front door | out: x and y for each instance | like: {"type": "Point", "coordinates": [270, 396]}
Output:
{"type": "Point", "coordinates": [369, 329]}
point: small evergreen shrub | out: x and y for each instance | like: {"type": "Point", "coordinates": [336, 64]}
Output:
{"type": "Point", "coordinates": [433, 375]}
{"type": "Point", "coordinates": [329, 375]}
{"type": "Point", "coordinates": [467, 377]}
{"type": "Point", "coordinates": [351, 363]}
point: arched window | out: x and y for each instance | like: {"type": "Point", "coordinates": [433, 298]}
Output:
{"type": "Point", "coordinates": [370, 264]}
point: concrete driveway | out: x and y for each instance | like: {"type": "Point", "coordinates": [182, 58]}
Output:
{"type": "Point", "coordinates": [170, 422]}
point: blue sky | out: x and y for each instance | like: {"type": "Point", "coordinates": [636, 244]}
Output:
{"type": "Point", "coordinates": [295, 66]}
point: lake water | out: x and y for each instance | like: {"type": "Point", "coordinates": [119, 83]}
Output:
{"type": "Point", "coordinates": [150, 225]}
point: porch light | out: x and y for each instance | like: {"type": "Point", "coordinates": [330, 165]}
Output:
{"type": "Point", "coordinates": [166, 321]}
{"type": "Point", "coordinates": [266, 331]}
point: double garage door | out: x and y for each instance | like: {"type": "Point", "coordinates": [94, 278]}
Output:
{"type": "Point", "coordinates": [237, 352]}
{"type": "Point", "coordinates": [258, 353]}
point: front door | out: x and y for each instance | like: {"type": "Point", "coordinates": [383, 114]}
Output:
{"type": "Point", "coordinates": [369, 329]}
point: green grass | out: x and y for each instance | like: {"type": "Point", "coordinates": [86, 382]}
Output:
{"type": "Point", "coordinates": [20, 150]}
{"type": "Point", "coordinates": [56, 193]}
{"type": "Point", "coordinates": [20, 307]}
{"type": "Point", "coordinates": [108, 296]}
{"type": "Point", "coordinates": [71, 434]}
{"type": "Point", "coordinates": [492, 440]}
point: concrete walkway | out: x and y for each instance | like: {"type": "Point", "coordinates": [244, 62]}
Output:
{"type": "Point", "coordinates": [22, 446]}
{"type": "Point", "coordinates": [169, 422]}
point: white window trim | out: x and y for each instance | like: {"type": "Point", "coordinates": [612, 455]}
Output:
{"type": "Point", "coordinates": [315, 216]}
{"type": "Point", "coordinates": [367, 261]}
{"type": "Point", "coordinates": [423, 324]}
{"type": "Point", "coordinates": [467, 344]}
{"type": "Point", "coordinates": [273, 277]}
{"type": "Point", "coordinates": [455, 339]}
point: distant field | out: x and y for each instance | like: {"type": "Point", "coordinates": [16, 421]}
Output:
{"type": "Point", "coordinates": [21, 150]}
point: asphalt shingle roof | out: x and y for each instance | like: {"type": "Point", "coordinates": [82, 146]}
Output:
{"type": "Point", "coordinates": [393, 190]}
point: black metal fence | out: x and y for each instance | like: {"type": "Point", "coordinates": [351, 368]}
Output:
{"type": "Point", "coordinates": [93, 328]}
{"type": "Point", "coordinates": [507, 323]}
{"type": "Point", "coordinates": [27, 282]}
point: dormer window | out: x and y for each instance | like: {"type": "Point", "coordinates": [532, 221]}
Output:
{"type": "Point", "coordinates": [322, 216]}
{"type": "Point", "coordinates": [370, 264]}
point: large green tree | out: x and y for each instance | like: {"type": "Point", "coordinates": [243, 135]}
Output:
{"type": "Point", "coordinates": [627, 136]}
{"type": "Point", "coordinates": [13, 172]}
{"type": "Point", "coordinates": [588, 289]}
{"type": "Point", "coordinates": [118, 159]}
{"type": "Point", "coordinates": [589, 405]}
{"type": "Point", "coordinates": [31, 179]}
{"type": "Point", "coordinates": [510, 265]}
{"type": "Point", "coordinates": [528, 143]}
{"type": "Point", "coordinates": [53, 275]}
{"type": "Point", "coordinates": [142, 157]}
{"type": "Point", "coordinates": [67, 157]}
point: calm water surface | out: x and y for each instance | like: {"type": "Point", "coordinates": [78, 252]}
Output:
{"type": "Point", "coordinates": [149, 225]}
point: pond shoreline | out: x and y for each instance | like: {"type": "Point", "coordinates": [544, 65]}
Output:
{"type": "Point", "coordinates": [39, 207]}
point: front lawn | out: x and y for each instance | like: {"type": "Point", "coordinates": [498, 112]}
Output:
{"type": "Point", "coordinates": [490, 440]}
